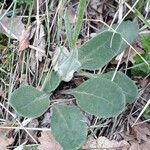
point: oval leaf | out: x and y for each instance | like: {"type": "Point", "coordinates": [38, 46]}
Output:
{"type": "Point", "coordinates": [29, 102]}
{"type": "Point", "coordinates": [98, 51]}
{"type": "Point", "coordinates": [131, 36]}
{"type": "Point", "coordinates": [124, 82]}
{"type": "Point", "coordinates": [100, 97]}
{"type": "Point", "coordinates": [51, 82]}
{"type": "Point", "coordinates": [124, 29]}
{"type": "Point", "coordinates": [68, 127]}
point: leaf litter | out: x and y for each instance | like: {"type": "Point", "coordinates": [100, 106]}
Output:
{"type": "Point", "coordinates": [141, 134]}
{"type": "Point", "coordinates": [11, 27]}
{"type": "Point", "coordinates": [38, 47]}
{"type": "Point", "coordinates": [48, 142]}
{"type": "Point", "coordinates": [140, 140]}
{"type": "Point", "coordinates": [4, 140]}
{"type": "Point", "coordinates": [104, 143]}
{"type": "Point", "coordinates": [15, 29]}
{"type": "Point", "coordinates": [24, 39]}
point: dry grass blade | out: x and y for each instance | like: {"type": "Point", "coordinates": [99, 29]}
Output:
{"type": "Point", "coordinates": [18, 122]}
{"type": "Point", "coordinates": [47, 36]}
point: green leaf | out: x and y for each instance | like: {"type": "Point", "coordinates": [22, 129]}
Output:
{"type": "Point", "coordinates": [66, 63]}
{"type": "Point", "coordinates": [51, 82]}
{"type": "Point", "coordinates": [68, 127]}
{"type": "Point", "coordinates": [146, 43]}
{"type": "Point", "coordinates": [125, 83]}
{"type": "Point", "coordinates": [140, 68]}
{"type": "Point", "coordinates": [29, 102]}
{"type": "Point", "coordinates": [98, 51]}
{"type": "Point", "coordinates": [30, 147]}
{"type": "Point", "coordinates": [129, 31]}
{"type": "Point", "coordinates": [100, 97]}
{"type": "Point", "coordinates": [147, 113]}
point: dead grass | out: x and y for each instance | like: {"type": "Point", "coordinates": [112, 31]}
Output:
{"type": "Point", "coordinates": [28, 66]}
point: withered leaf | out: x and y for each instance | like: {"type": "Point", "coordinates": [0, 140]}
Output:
{"type": "Point", "coordinates": [104, 143]}
{"type": "Point", "coordinates": [24, 39]}
{"type": "Point", "coordinates": [11, 27]}
{"type": "Point", "coordinates": [48, 142]}
{"type": "Point", "coordinates": [4, 140]}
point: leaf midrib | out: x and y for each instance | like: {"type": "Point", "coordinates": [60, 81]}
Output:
{"type": "Point", "coordinates": [65, 122]}
{"type": "Point", "coordinates": [85, 93]}
{"type": "Point", "coordinates": [37, 99]}
{"type": "Point", "coordinates": [84, 59]}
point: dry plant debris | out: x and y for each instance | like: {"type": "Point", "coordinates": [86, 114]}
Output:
{"type": "Point", "coordinates": [4, 140]}
{"type": "Point", "coordinates": [15, 29]}
{"type": "Point", "coordinates": [47, 142]}
{"type": "Point", "coordinates": [24, 39]}
{"type": "Point", "coordinates": [11, 27]}
{"type": "Point", "coordinates": [139, 139]}
{"type": "Point", "coordinates": [141, 132]}
{"type": "Point", "coordinates": [33, 38]}
{"type": "Point", "coordinates": [104, 143]}
{"type": "Point", "coordinates": [38, 50]}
